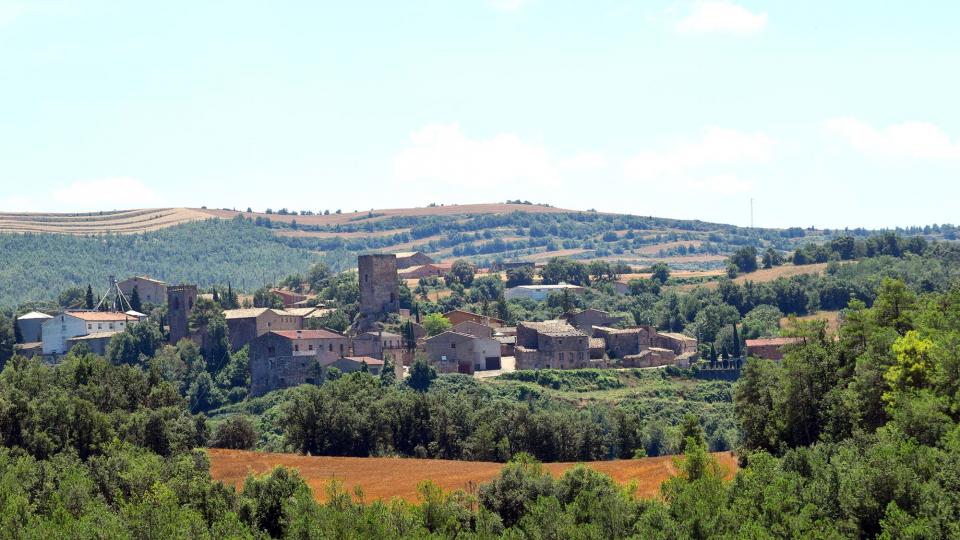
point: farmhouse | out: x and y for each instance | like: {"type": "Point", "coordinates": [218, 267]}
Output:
{"type": "Point", "coordinates": [150, 291]}
{"type": "Point", "coordinates": [551, 345]}
{"type": "Point", "coordinates": [247, 324]}
{"type": "Point", "coordinates": [770, 348]}
{"type": "Point", "coordinates": [279, 359]}
{"type": "Point", "coordinates": [454, 352]}
{"type": "Point", "coordinates": [31, 325]}
{"type": "Point", "coordinates": [408, 259]}
{"type": "Point", "coordinates": [425, 270]}
{"type": "Point", "coordinates": [58, 330]}
{"type": "Point", "coordinates": [540, 292]}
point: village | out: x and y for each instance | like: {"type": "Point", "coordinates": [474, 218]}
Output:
{"type": "Point", "coordinates": [287, 347]}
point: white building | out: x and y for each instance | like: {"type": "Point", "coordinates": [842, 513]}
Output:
{"type": "Point", "coordinates": [540, 292]}
{"type": "Point", "coordinates": [58, 330]}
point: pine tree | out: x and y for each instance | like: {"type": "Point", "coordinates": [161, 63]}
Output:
{"type": "Point", "coordinates": [135, 303]}
{"type": "Point", "coordinates": [89, 297]}
{"type": "Point", "coordinates": [503, 311]}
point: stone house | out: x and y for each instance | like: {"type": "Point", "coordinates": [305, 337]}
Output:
{"type": "Point", "coordinates": [97, 341]}
{"type": "Point", "coordinates": [623, 342]}
{"type": "Point", "coordinates": [407, 259]}
{"type": "Point", "coordinates": [551, 345]}
{"type": "Point", "coordinates": [246, 325]}
{"type": "Point", "coordinates": [284, 358]}
{"type": "Point", "coordinates": [650, 357]}
{"type": "Point", "coordinates": [376, 344]}
{"type": "Point", "coordinates": [425, 270]}
{"type": "Point", "coordinates": [351, 364]}
{"type": "Point", "coordinates": [150, 291]}
{"type": "Point", "coordinates": [586, 319]}
{"type": "Point", "coordinates": [454, 352]}
{"type": "Point", "coordinates": [458, 316]}
{"type": "Point", "coordinates": [680, 344]}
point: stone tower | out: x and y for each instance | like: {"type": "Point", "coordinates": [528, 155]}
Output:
{"type": "Point", "coordinates": [379, 291]}
{"type": "Point", "coordinates": [180, 301]}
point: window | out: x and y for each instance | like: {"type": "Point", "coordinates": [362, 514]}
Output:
{"type": "Point", "coordinates": [99, 326]}
{"type": "Point", "coordinates": [341, 348]}
{"type": "Point", "coordinates": [89, 326]}
{"type": "Point", "coordinates": [330, 347]}
{"type": "Point", "coordinates": [311, 348]}
{"type": "Point", "coordinates": [296, 348]}
{"type": "Point", "coordinates": [453, 345]}
{"type": "Point", "coordinates": [111, 326]}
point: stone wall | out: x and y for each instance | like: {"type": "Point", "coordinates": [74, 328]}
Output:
{"type": "Point", "coordinates": [379, 292]}
{"type": "Point", "coordinates": [180, 301]}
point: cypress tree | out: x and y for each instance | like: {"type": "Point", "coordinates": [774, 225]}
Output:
{"type": "Point", "coordinates": [135, 303]}
{"type": "Point", "coordinates": [89, 297]}
{"type": "Point", "coordinates": [736, 342]}
{"type": "Point", "coordinates": [713, 354]}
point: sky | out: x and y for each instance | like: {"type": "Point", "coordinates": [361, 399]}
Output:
{"type": "Point", "coordinates": [825, 113]}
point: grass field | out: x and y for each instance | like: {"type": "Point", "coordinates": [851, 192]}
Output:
{"type": "Point", "coordinates": [832, 318]}
{"type": "Point", "coordinates": [388, 478]}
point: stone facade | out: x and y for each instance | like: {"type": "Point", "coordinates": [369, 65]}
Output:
{"type": "Point", "coordinates": [351, 364]}
{"type": "Point", "coordinates": [473, 329]}
{"type": "Point", "coordinates": [585, 320]}
{"type": "Point", "coordinates": [375, 344]}
{"type": "Point", "coordinates": [625, 342]}
{"type": "Point", "coordinates": [551, 345]}
{"type": "Point", "coordinates": [408, 259]}
{"type": "Point", "coordinates": [280, 359]}
{"type": "Point", "coordinates": [680, 344]}
{"type": "Point", "coordinates": [379, 285]}
{"type": "Point", "coordinates": [246, 325]}
{"type": "Point", "coordinates": [150, 291]}
{"type": "Point", "coordinates": [180, 301]}
{"type": "Point", "coordinates": [458, 316]}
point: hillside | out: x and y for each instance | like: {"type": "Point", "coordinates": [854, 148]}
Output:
{"type": "Point", "coordinates": [44, 254]}
{"type": "Point", "coordinates": [388, 478]}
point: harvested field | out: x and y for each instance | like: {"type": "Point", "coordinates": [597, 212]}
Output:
{"type": "Point", "coordinates": [120, 222]}
{"type": "Point", "coordinates": [361, 216]}
{"type": "Point", "coordinates": [387, 478]}
{"type": "Point", "coordinates": [785, 271]}
{"type": "Point", "coordinates": [832, 318]}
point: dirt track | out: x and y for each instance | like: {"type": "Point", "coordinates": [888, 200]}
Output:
{"type": "Point", "coordinates": [387, 478]}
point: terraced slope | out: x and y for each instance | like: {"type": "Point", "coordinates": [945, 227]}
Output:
{"type": "Point", "coordinates": [119, 222]}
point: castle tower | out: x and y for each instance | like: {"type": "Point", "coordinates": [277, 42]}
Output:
{"type": "Point", "coordinates": [180, 301]}
{"type": "Point", "coordinates": [379, 289]}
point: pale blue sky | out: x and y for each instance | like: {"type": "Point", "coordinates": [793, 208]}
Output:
{"type": "Point", "coordinates": [827, 113]}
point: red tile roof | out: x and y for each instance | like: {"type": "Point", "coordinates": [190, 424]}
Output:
{"type": "Point", "coordinates": [307, 334]}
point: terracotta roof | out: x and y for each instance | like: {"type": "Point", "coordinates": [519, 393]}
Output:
{"type": "Point", "coordinates": [245, 313]}
{"type": "Point", "coordinates": [307, 334]}
{"type": "Point", "coordinates": [100, 316]}
{"type": "Point", "coordinates": [779, 341]}
{"type": "Point", "coordinates": [371, 361]}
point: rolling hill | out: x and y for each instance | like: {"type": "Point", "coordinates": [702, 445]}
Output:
{"type": "Point", "coordinates": [43, 254]}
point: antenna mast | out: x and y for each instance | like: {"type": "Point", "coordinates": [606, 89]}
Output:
{"type": "Point", "coordinates": [751, 212]}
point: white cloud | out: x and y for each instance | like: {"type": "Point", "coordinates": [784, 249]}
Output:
{"type": "Point", "coordinates": [507, 5]}
{"type": "Point", "coordinates": [715, 147]}
{"type": "Point", "coordinates": [907, 140]}
{"type": "Point", "coordinates": [443, 153]}
{"type": "Point", "coordinates": [105, 194]}
{"type": "Point", "coordinates": [721, 17]}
